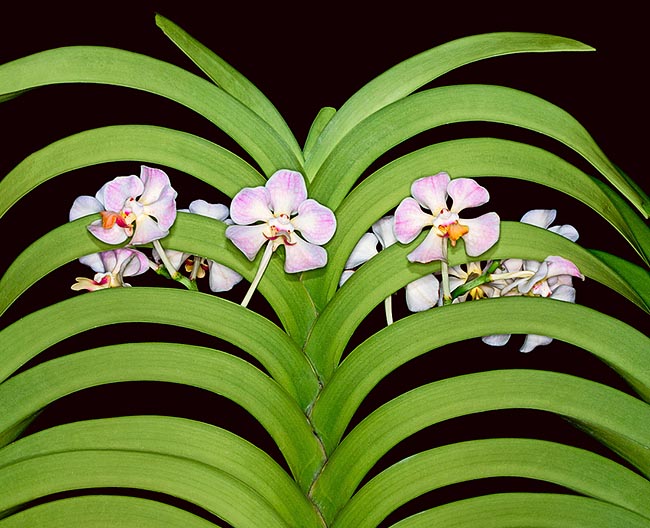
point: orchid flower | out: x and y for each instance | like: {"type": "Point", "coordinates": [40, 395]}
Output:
{"type": "Point", "coordinates": [421, 294]}
{"type": "Point", "coordinates": [428, 207]}
{"type": "Point", "coordinates": [459, 277]}
{"type": "Point", "coordinates": [220, 277]}
{"type": "Point", "coordinates": [140, 208]}
{"type": "Point", "coordinates": [274, 215]}
{"type": "Point", "coordinates": [111, 267]}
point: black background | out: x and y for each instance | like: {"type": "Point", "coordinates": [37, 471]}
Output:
{"type": "Point", "coordinates": [305, 57]}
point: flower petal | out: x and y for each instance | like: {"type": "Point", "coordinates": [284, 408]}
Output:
{"type": "Point", "coordinates": [84, 206]}
{"type": "Point", "coordinates": [431, 248]}
{"type": "Point", "coordinates": [409, 220]}
{"type": "Point", "coordinates": [94, 261]}
{"type": "Point", "coordinates": [156, 184]}
{"type": "Point", "coordinates": [131, 262]}
{"type": "Point", "coordinates": [365, 249]}
{"type": "Point", "coordinates": [315, 222]}
{"type": "Point", "coordinates": [303, 256]}
{"type": "Point", "coordinates": [496, 340]}
{"type": "Point", "coordinates": [203, 208]}
{"type": "Point", "coordinates": [567, 231]}
{"type": "Point", "coordinates": [539, 217]}
{"type": "Point", "coordinates": [431, 192]}
{"type": "Point", "coordinates": [345, 276]}
{"type": "Point", "coordinates": [384, 230]}
{"type": "Point", "coordinates": [287, 190]}
{"type": "Point", "coordinates": [116, 192]}
{"type": "Point", "coordinates": [532, 341]}
{"type": "Point", "coordinates": [248, 239]}
{"type": "Point", "coordinates": [465, 193]}
{"type": "Point", "coordinates": [112, 235]}
{"type": "Point", "coordinates": [483, 233]}
{"type": "Point", "coordinates": [564, 293]}
{"type": "Point", "coordinates": [176, 258]}
{"type": "Point", "coordinates": [222, 278]}
{"type": "Point", "coordinates": [251, 204]}
{"type": "Point", "coordinates": [423, 293]}
{"type": "Point", "coordinates": [163, 209]}
{"type": "Point", "coordinates": [561, 266]}
{"type": "Point", "coordinates": [147, 230]}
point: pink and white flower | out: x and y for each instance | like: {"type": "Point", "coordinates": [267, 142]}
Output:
{"type": "Point", "coordinates": [141, 208]}
{"type": "Point", "coordinates": [111, 267]}
{"type": "Point", "coordinates": [428, 207]}
{"type": "Point", "coordinates": [220, 278]}
{"type": "Point", "coordinates": [275, 214]}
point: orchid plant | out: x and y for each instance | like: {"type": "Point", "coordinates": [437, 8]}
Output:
{"type": "Point", "coordinates": [320, 241]}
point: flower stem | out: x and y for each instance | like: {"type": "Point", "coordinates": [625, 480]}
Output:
{"type": "Point", "coordinates": [388, 308]}
{"type": "Point", "coordinates": [163, 256]}
{"type": "Point", "coordinates": [444, 268]}
{"type": "Point", "coordinates": [266, 258]}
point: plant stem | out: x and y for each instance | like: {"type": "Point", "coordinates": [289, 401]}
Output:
{"type": "Point", "coordinates": [163, 256]}
{"type": "Point", "coordinates": [444, 268]}
{"type": "Point", "coordinates": [388, 308]}
{"type": "Point", "coordinates": [266, 258]}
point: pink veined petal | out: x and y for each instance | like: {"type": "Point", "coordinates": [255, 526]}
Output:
{"type": "Point", "coordinates": [365, 249]}
{"type": "Point", "coordinates": [384, 230]}
{"type": "Point", "coordinates": [345, 276]}
{"type": "Point", "coordinates": [203, 208]}
{"type": "Point", "coordinates": [94, 261]}
{"type": "Point", "coordinates": [222, 278]}
{"type": "Point", "coordinates": [303, 256]}
{"type": "Point", "coordinates": [567, 231]}
{"type": "Point", "coordinates": [431, 248]}
{"type": "Point", "coordinates": [410, 219]}
{"type": "Point", "coordinates": [163, 209]}
{"type": "Point", "coordinates": [315, 222]}
{"type": "Point", "coordinates": [539, 217]}
{"type": "Point", "coordinates": [540, 275]}
{"type": "Point", "coordinates": [465, 193]}
{"type": "Point", "coordinates": [117, 191]}
{"type": "Point", "coordinates": [84, 206]}
{"type": "Point", "coordinates": [483, 233]}
{"type": "Point", "coordinates": [287, 190]}
{"type": "Point", "coordinates": [248, 239]}
{"type": "Point", "coordinates": [561, 266]}
{"type": "Point", "coordinates": [131, 262]}
{"type": "Point", "coordinates": [532, 341]}
{"type": "Point", "coordinates": [431, 192]}
{"type": "Point", "coordinates": [422, 294]}
{"type": "Point", "coordinates": [156, 183]}
{"type": "Point", "coordinates": [112, 235]}
{"type": "Point", "coordinates": [250, 205]}
{"type": "Point", "coordinates": [496, 340]}
{"type": "Point", "coordinates": [147, 230]}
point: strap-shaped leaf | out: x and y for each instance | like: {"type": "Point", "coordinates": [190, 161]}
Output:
{"type": "Point", "coordinates": [32, 334]}
{"type": "Point", "coordinates": [577, 469]}
{"type": "Point", "coordinates": [471, 158]}
{"type": "Point", "coordinates": [622, 347]}
{"type": "Point", "coordinates": [208, 488]}
{"type": "Point", "coordinates": [388, 271]}
{"type": "Point", "coordinates": [230, 80]}
{"type": "Point", "coordinates": [413, 73]}
{"type": "Point", "coordinates": [105, 510]}
{"type": "Point", "coordinates": [190, 233]}
{"type": "Point", "coordinates": [176, 437]}
{"type": "Point", "coordinates": [533, 510]}
{"type": "Point", "coordinates": [453, 104]}
{"type": "Point", "coordinates": [208, 369]}
{"type": "Point", "coordinates": [140, 143]}
{"type": "Point", "coordinates": [323, 117]}
{"type": "Point", "coordinates": [93, 64]}
{"type": "Point", "coordinates": [617, 413]}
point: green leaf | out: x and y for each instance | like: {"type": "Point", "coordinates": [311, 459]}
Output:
{"type": "Point", "coordinates": [190, 233]}
{"type": "Point", "coordinates": [533, 510]}
{"type": "Point", "coordinates": [140, 143]}
{"type": "Point", "coordinates": [92, 64]}
{"type": "Point", "coordinates": [413, 73]}
{"type": "Point", "coordinates": [105, 510]}
{"type": "Point", "coordinates": [32, 334]}
{"type": "Point", "coordinates": [471, 158]}
{"type": "Point", "coordinates": [576, 469]}
{"type": "Point", "coordinates": [323, 117]}
{"type": "Point", "coordinates": [388, 271]}
{"type": "Point", "coordinates": [208, 369]}
{"type": "Point", "coordinates": [181, 438]}
{"type": "Point", "coordinates": [230, 80]}
{"type": "Point", "coordinates": [617, 413]}
{"type": "Point", "coordinates": [453, 104]}
{"type": "Point", "coordinates": [208, 488]}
